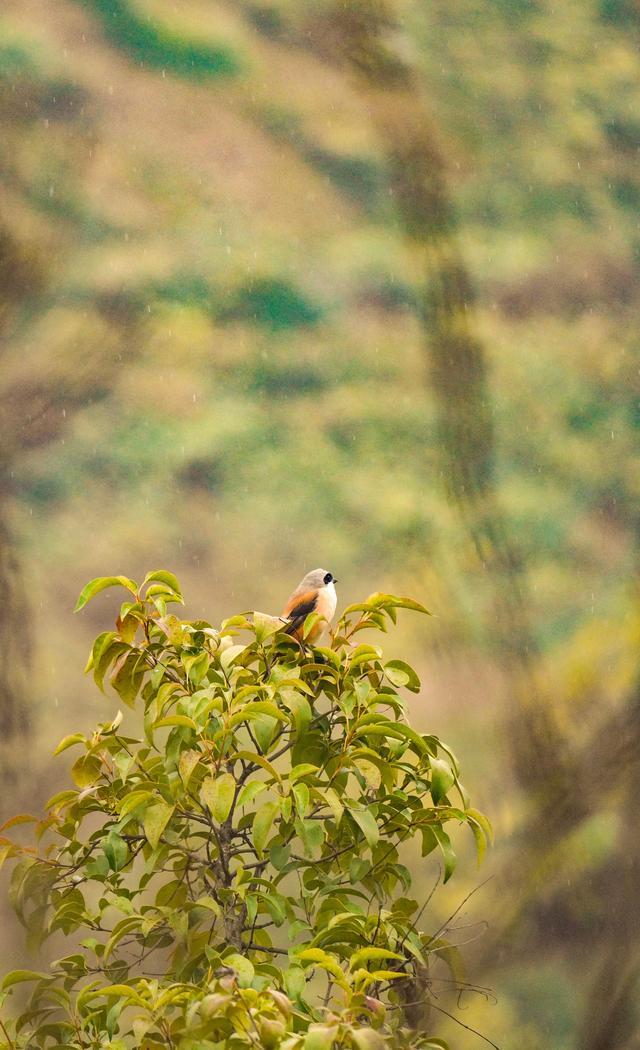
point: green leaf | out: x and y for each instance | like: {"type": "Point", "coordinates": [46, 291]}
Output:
{"type": "Point", "coordinates": [441, 779]}
{"type": "Point", "coordinates": [395, 730]}
{"type": "Point", "coordinates": [218, 795]}
{"type": "Point", "coordinates": [133, 799]}
{"type": "Point", "coordinates": [400, 673]}
{"type": "Point", "coordinates": [230, 655]}
{"type": "Point", "coordinates": [370, 772]}
{"type": "Point", "coordinates": [279, 856]}
{"type": "Point", "coordinates": [299, 707]}
{"type": "Point", "coordinates": [481, 830]}
{"type": "Point", "coordinates": [210, 904]}
{"type": "Point", "coordinates": [69, 741]}
{"type": "Point", "coordinates": [333, 801]}
{"type": "Point", "coordinates": [300, 793]}
{"type": "Point", "coordinates": [156, 819]}
{"type": "Point", "coordinates": [186, 764]}
{"type": "Point", "coordinates": [310, 621]}
{"type": "Point", "coordinates": [294, 981]}
{"type": "Point", "coordinates": [120, 930]}
{"type": "Point", "coordinates": [304, 769]}
{"type": "Point", "coordinates": [242, 966]}
{"type": "Point", "coordinates": [312, 833]}
{"type": "Point", "coordinates": [115, 850]}
{"type": "Point", "coordinates": [262, 824]}
{"type": "Point", "coordinates": [384, 975]}
{"type": "Point", "coordinates": [128, 677]}
{"type": "Point", "coordinates": [365, 955]}
{"type": "Point", "coordinates": [260, 760]}
{"type": "Point", "coordinates": [484, 822]}
{"type": "Point", "coordinates": [368, 1039]}
{"type": "Point", "coordinates": [119, 991]}
{"type": "Point", "coordinates": [450, 859]}
{"type": "Point", "coordinates": [265, 626]}
{"type": "Point", "coordinates": [106, 655]}
{"type": "Point", "coordinates": [247, 793]}
{"type": "Point", "coordinates": [100, 584]}
{"type": "Point", "coordinates": [358, 868]}
{"type": "Point", "coordinates": [367, 824]}
{"type": "Point", "coordinates": [20, 976]}
{"type": "Point", "coordinates": [320, 1037]}
{"type": "Point", "coordinates": [250, 712]}
{"type": "Point", "coordinates": [322, 958]}
{"type": "Point", "coordinates": [364, 654]}
{"type": "Point", "coordinates": [392, 601]}
{"type": "Point", "coordinates": [175, 720]}
{"type": "Point", "coordinates": [171, 581]}
{"type": "Point", "coordinates": [86, 770]}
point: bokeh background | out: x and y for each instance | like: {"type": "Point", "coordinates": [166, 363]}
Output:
{"type": "Point", "coordinates": [290, 282]}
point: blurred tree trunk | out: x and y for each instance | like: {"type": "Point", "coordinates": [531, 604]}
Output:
{"type": "Point", "coordinates": [15, 646]}
{"type": "Point", "coordinates": [21, 277]}
{"type": "Point", "coordinates": [612, 1014]}
{"type": "Point", "coordinates": [362, 33]}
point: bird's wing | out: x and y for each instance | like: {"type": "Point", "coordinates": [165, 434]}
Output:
{"type": "Point", "coordinates": [298, 608]}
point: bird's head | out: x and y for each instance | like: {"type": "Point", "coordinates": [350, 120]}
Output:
{"type": "Point", "coordinates": [317, 578]}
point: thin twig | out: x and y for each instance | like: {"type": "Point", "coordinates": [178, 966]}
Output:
{"type": "Point", "coordinates": [461, 1023]}
{"type": "Point", "coordinates": [462, 903]}
{"type": "Point", "coordinates": [265, 948]}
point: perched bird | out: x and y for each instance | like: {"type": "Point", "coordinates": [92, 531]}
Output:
{"type": "Point", "coordinates": [316, 592]}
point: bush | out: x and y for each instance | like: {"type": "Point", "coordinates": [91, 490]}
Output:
{"type": "Point", "coordinates": [153, 45]}
{"type": "Point", "coordinates": [233, 878]}
{"type": "Point", "coordinates": [272, 302]}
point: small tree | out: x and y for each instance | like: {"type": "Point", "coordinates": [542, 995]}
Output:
{"type": "Point", "coordinates": [233, 878]}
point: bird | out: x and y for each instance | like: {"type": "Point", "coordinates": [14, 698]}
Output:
{"type": "Point", "coordinates": [316, 592]}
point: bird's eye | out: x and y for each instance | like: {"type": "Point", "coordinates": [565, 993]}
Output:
{"type": "Point", "coordinates": [328, 577]}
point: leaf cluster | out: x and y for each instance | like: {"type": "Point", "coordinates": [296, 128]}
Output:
{"type": "Point", "coordinates": [233, 876]}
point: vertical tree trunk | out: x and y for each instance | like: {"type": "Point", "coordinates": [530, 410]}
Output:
{"type": "Point", "coordinates": [360, 31]}
{"type": "Point", "coordinates": [21, 276]}
{"type": "Point", "coordinates": [15, 650]}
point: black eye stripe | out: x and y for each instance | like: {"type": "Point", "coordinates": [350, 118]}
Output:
{"type": "Point", "coordinates": [328, 577]}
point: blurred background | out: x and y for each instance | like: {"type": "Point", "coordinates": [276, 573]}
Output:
{"type": "Point", "coordinates": [287, 283]}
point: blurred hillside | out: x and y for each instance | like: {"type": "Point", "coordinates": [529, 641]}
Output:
{"type": "Point", "coordinates": [213, 360]}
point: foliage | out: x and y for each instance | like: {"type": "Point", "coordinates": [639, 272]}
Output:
{"type": "Point", "coordinates": [155, 46]}
{"type": "Point", "coordinates": [140, 202]}
{"type": "Point", "coordinates": [272, 302]}
{"type": "Point", "coordinates": [234, 877]}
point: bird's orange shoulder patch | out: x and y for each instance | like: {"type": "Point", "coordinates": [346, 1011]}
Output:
{"type": "Point", "coordinates": [298, 602]}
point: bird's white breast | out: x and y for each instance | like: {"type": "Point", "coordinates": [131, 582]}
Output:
{"type": "Point", "coordinates": [327, 601]}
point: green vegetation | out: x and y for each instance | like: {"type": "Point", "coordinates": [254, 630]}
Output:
{"type": "Point", "coordinates": [153, 45]}
{"type": "Point", "coordinates": [271, 302]}
{"type": "Point", "coordinates": [216, 354]}
{"type": "Point", "coordinates": [234, 876]}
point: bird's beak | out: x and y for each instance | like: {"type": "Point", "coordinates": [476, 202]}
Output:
{"type": "Point", "coordinates": [334, 580]}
